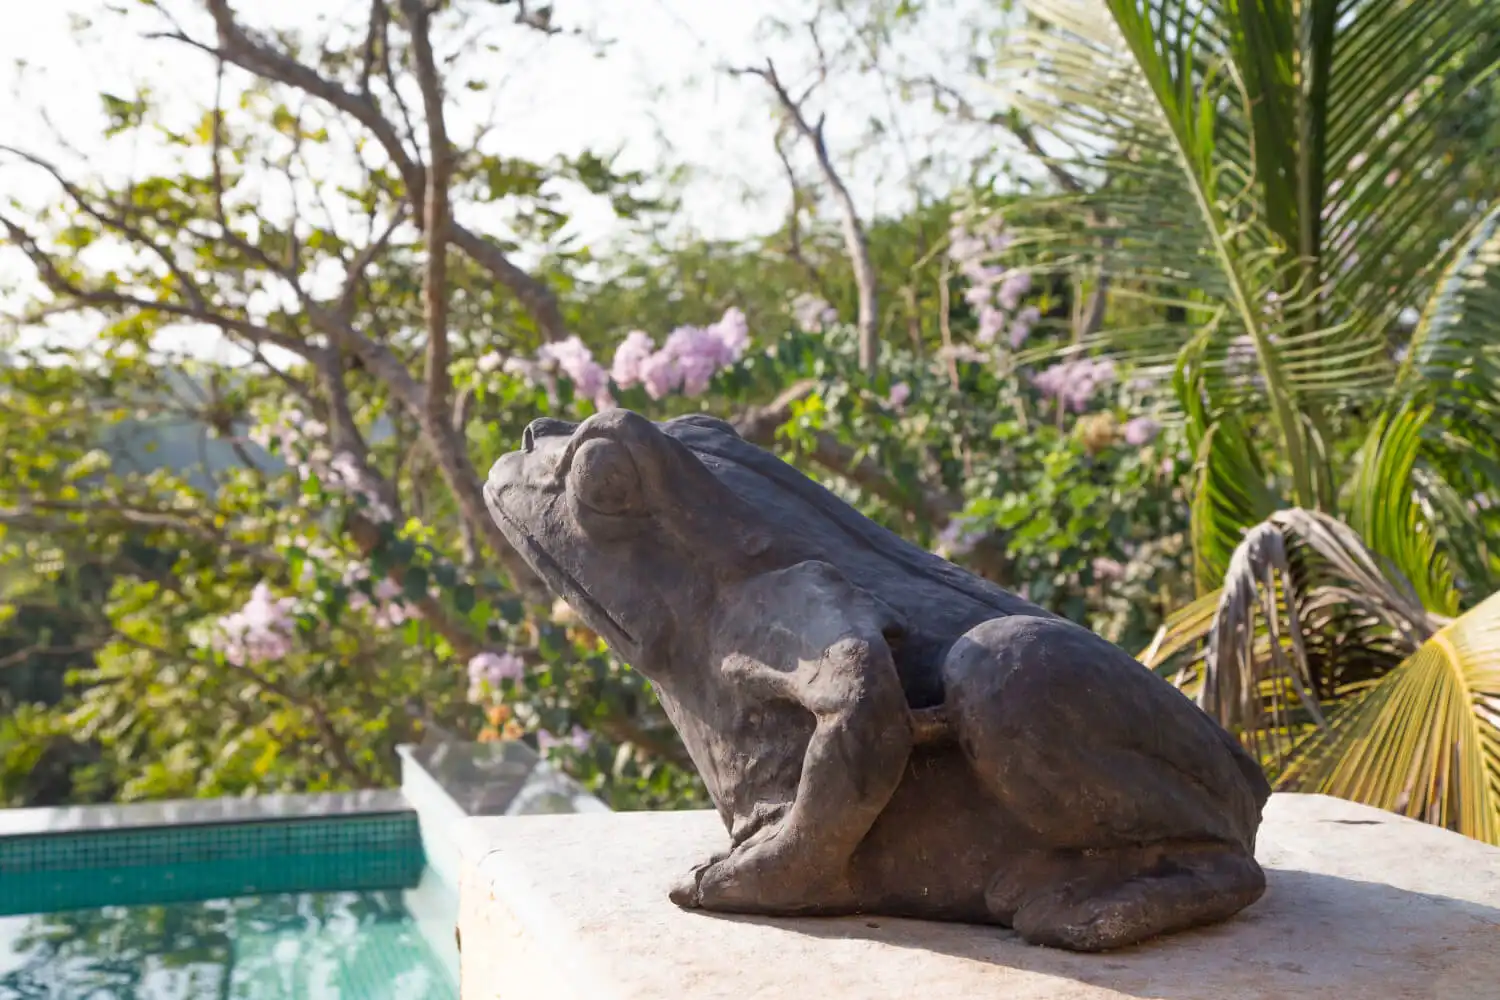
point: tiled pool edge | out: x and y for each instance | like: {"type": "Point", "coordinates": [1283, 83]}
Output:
{"type": "Point", "coordinates": [408, 840]}
{"type": "Point", "coordinates": [92, 856]}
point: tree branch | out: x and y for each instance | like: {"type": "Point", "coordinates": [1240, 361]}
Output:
{"type": "Point", "coordinates": [439, 169]}
{"type": "Point", "coordinates": [238, 47]}
{"type": "Point", "coordinates": [856, 242]}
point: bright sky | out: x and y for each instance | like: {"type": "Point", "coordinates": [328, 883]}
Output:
{"type": "Point", "coordinates": [661, 81]}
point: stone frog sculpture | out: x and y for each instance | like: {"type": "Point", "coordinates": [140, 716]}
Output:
{"type": "Point", "coordinates": [881, 732]}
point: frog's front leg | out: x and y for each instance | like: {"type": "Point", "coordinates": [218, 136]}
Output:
{"type": "Point", "coordinates": [809, 635]}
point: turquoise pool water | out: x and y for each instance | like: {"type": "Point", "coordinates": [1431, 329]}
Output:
{"type": "Point", "coordinates": [307, 946]}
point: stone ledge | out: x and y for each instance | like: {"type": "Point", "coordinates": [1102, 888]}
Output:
{"type": "Point", "coordinates": [1361, 904]}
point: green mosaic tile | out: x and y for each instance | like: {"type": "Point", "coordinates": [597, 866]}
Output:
{"type": "Point", "coordinates": [47, 873]}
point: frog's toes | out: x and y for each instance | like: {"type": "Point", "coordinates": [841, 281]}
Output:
{"type": "Point", "coordinates": [686, 892]}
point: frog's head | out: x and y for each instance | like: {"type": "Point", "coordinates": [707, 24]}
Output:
{"type": "Point", "coordinates": [625, 524]}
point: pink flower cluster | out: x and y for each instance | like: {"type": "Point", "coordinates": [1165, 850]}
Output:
{"type": "Point", "coordinates": [578, 739]}
{"type": "Point", "coordinates": [487, 670]}
{"type": "Point", "coordinates": [261, 631]}
{"type": "Point", "coordinates": [1107, 570]}
{"type": "Point", "coordinates": [686, 362]}
{"type": "Point", "coordinates": [812, 314]}
{"type": "Point", "coordinates": [390, 609]}
{"type": "Point", "coordinates": [1141, 431]}
{"type": "Point", "coordinates": [1073, 383]}
{"type": "Point", "coordinates": [994, 292]}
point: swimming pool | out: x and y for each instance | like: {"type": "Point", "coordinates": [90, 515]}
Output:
{"type": "Point", "coordinates": [311, 946]}
{"type": "Point", "coordinates": [349, 896]}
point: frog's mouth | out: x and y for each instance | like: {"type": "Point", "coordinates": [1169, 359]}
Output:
{"type": "Point", "coordinates": [560, 580]}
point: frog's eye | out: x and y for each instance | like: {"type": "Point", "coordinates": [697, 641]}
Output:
{"type": "Point", "coordinates": [603, 477]}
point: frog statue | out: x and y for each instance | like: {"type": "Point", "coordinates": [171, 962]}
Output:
{"type": "Point", "coordinates": [880, 731]}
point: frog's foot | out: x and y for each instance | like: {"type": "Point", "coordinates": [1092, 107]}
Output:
{"type": "Point", "coordinates": [763, 877]}
{"type": "Point", "coordinates": [1120, 898]}
{"type": "Point", "coordinates": [684, 891]}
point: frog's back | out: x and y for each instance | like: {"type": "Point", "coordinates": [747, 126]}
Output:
{"type": "Point", "coordinates": [934, 595]}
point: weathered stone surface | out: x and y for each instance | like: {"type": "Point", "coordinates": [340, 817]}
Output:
{"type": "Point", "coordinates": [882, 732]}
{"type": "Point", "coordinates": [1361, 904]}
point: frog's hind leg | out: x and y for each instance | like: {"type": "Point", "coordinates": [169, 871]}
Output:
{"type": "Point", "coordinates": [1116, 899]}
{"type": "Point", "coordinates": [1137, 811]}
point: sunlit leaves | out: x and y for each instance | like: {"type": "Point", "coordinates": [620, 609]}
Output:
{"type": "Point", "coordinates": [1424, 740]}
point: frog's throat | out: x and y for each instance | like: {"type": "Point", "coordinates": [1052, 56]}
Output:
{"type": "Point", "coordinates": [566, 587]}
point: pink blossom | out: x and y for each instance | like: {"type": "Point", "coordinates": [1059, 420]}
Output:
{"type": "Point", "coordinates": [659, 374]}
{"type": "Point", "coordinates": [991, 322]}
{"type": "Point", "coordinates": [978, 296]}
{"type": "Point", "coordinates": [631, 353]}
{"type": "Point", "coordinates": [487, 363]}
{"type": "Point", "coordinates": [1020, 328]}
{"type": "Point", "coordinates": [1106, 569]}
{"type": "Point", "coordinates": [577, 362]}
{"type": "Point", "coordinates": [1140, 431]}
{"type": "Point", "coordinates": [812, 314]}
{"type": "Point", "coordinates": [579, 739]}
{"type": "Point", "coordinates": [733, 332]}
{"type": "Point", "coordinates": [1073, 383]}
{"type": "Point", "coordinates": [696, 354]}
{"type": "Point", "coordinates": [488, 669]}
{"type": "Point", "coordinates": [260, 632]}
{"type": "Point", "coordinates": [393, 614]}
{"type": "Point", "coordinates": [900, 393]}
{"type": "Point", "coordinates": [1017, 284]}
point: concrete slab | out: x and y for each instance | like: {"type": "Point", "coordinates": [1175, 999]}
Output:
{"type": "Point", "coordinates": [1361, 904]}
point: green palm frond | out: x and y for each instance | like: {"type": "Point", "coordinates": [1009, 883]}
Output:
{"type": "Point", "coordinates": [1182, 630]}
{"type": "Point", "coordinates": [1290, 172]}
{"type": "Point", "coordinates": [1424, 740]}
{"type": "Point", "coordinates": [1230, 485]}
{"type": "Point", "coordinates": [1453, 366]}
{"type": "Point", "coordinates": [1383, 510]}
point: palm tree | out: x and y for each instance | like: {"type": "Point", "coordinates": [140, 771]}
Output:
{"type": "Point", "coordinates": [1299, 188]}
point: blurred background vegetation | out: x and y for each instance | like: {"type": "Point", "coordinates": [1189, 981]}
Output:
{"type": "Point", "coordinates": [1194, 341]}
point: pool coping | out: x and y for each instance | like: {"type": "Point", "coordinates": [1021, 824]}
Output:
{"type": "Point", "coordinates": [179, 813]}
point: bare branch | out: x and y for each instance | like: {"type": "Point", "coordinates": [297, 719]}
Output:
{"type": "Point", "coordinates": [117, 220]}
{"type": "Point", "coordinates": [794, 219]}
{"type": "Point", "coordinates": [53, 278]}
{"type": "Point", "coordinates": [856, 242]}
{"type": "Point", "coordinates": [238, 47]}
{"type": "Point", "coordinates": [356, 275]}
{"type": "Point", "coordinates": [375, 43]}
{"type": "Point", "coordinates": [439, 169]}
{"type": "Point", "coordinates": [1012, 124]}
